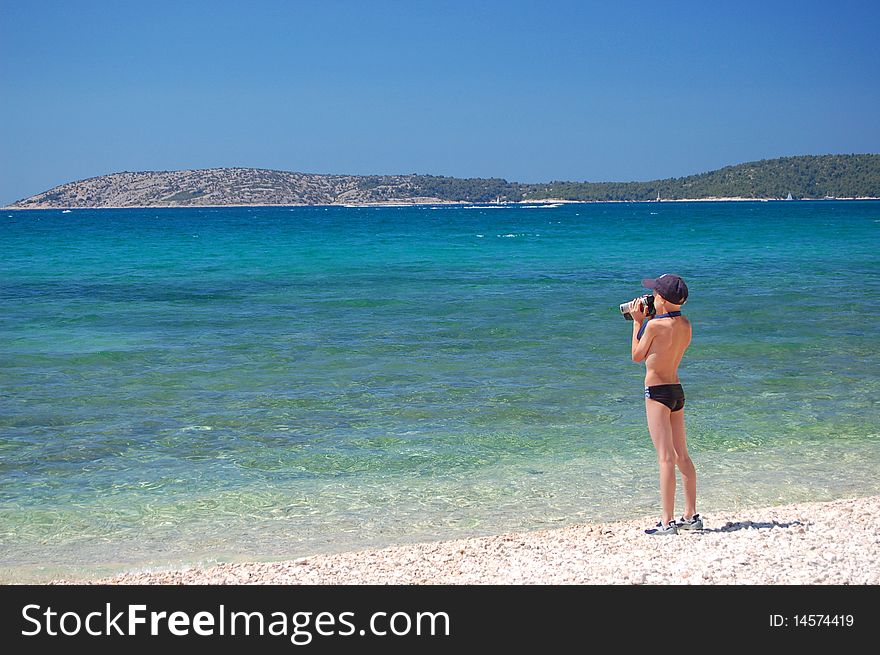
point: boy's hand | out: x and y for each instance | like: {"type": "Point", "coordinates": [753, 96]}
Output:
{"type": "Point", "coordinates": [637, 310]}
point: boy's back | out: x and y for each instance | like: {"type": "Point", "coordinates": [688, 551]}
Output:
{"type": "Point", "coordinates": [669, 339]}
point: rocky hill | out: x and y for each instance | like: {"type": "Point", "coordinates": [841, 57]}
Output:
{"type": "Point", "coordinates": [219, 186]}
{"type": "Point", "coordinates": [802, 177]}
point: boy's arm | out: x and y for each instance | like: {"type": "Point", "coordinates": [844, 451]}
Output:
{"type": "Point", "coordinates": [640, 347]}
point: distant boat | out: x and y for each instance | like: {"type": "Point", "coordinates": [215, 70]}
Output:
{"type": "Point", "coordinates": [658, 197]}
{"type": "Point", "coordinates": [66, 211]}
{"type": "Point", "coordinates": [789, 197]}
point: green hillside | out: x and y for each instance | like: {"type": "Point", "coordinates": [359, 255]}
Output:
{"type": "Point", "coordinates": [839, 176]}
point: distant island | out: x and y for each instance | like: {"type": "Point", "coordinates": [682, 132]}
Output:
{"type": "Point", "coordinates": [804, 177]}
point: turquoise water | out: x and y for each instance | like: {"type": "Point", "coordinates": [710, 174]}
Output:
{"type": "Point", "coordinates": [196, 385]}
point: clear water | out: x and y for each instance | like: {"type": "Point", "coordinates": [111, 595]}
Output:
{"type": "Point", "coordinates": [199, 385]}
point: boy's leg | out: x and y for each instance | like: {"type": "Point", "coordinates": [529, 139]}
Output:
{"type": "Point", "coordinates": [685, 465]}
{"type": "Point", "coordinates": [661, 434]}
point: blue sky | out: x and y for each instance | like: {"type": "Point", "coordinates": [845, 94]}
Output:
{"type": "Point", "coordinates": [528, 91]}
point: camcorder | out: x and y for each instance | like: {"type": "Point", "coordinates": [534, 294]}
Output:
{"type": "Point", "coordinates": [647, 302]}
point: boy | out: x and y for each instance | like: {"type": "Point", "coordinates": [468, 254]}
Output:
{"type": "Point", "coordinates": [661, 342]}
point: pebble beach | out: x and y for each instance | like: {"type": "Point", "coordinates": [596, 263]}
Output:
{"type": "Point", "coordinates": [836, 542]}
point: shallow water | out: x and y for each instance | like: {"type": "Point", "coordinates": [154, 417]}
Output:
{"type": "Point", "coordinates": [196, 385]}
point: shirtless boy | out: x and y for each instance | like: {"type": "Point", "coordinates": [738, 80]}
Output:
{"type": "Point", "coordinates": [660, 342]}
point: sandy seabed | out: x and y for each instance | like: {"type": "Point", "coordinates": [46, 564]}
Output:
{"type": "Point", "coordinates": [836, 542]}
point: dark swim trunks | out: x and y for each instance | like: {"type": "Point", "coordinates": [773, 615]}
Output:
{"type": "Point", "coordinates": [671, 395]}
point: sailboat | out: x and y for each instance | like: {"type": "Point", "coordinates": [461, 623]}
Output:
{"type": "Point", "coordinates": [658, 197]}
{"type": "Point", "coordinates": [789, 197]}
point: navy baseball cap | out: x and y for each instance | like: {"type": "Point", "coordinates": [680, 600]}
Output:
{"type": "Point", "coordinates": [670, 286]}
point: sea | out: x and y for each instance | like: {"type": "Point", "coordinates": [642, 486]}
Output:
{"type": "Point", "coordinates": [186, 386]}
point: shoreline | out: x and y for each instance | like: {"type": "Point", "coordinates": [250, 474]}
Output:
{"type": "Point", "coordinates": [422, 203]}
{"type": "Point", "coordinates": [829, 542]}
